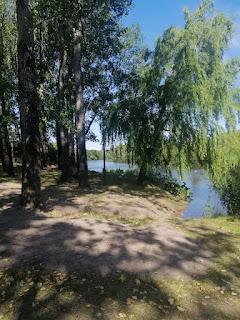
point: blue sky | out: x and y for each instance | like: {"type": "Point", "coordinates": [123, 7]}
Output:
{"type": "Point", "coordinates": [155, 16]}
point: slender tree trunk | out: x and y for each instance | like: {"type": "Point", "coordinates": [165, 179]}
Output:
{"type": "Point", "coordinates": [7, 159]}
{"type": "Point", "coordinates": [77, 156]}
{"type": "Point", "coordinates": [62, 130]}
{"type": "Point", "coordinates": [80, 111]}
{"type": "Point", "coordinates": [104, 153]}
{"type": "Point", "coordinates": [28, 101]}
{"type": "Point", "coordinates": [17, 132]}
{"type": "Point", "coordinates": [5, 145]}
{"type": "Point", "coordinates": [104, 160]}
{"type": "Point", "coordinates": [65, 159]}
{"type": "Point", "coordinates": [44, 149]}
{"type": "Point", "coordinates": [1, 154]}
{"type": "Point", "coordinates": [59, 145]}
{"type": "Point", "coordinates": [72, 149]}
{"type": "Point", "coordinates": [142, 174]}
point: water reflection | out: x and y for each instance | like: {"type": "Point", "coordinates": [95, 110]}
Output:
{"type": "Point", "coordinates": [97, 165]}
{"type": "Point", "coordinates": [205, 200]}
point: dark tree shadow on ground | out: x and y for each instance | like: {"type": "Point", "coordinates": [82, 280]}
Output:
{"type": "Point", "coordinates": [111, 258]}
{"type": "Point", "coordinates": [123, 267]}
{"type": "Point", "coordinates": [107, 246]}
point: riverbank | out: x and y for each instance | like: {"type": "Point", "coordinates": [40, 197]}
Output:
{"type": "Point", "coordinates": [116, 251]}
{"type": "Point", "coordinates": [116, 197]}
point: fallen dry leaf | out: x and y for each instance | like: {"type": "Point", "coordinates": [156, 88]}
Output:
{"type": "Point", "coordinates": [180, 309]}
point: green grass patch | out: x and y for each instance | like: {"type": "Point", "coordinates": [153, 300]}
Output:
{"type": "Point", "coordinates": [136, 222]}
{"type": "Point", "coordinates": [224, 224]}
{"type": "Point", "coordinates": [36, 293]}
{"type": "Point", "coordinates": [220, 235]}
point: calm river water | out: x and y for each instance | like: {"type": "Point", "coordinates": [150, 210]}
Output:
{"type": "Point", "coordinates": [205, 200]}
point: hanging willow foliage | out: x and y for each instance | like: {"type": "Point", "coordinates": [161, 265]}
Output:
{"type": "Point", "coordinates": [181, 97]}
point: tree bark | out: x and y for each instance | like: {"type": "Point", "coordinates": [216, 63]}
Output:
{"type": "Point", "coordinates": [28, 102]}
{"type": "Point", "coordinates": [80, 111]}
{"type": "Point", "coordinates": [44, 149]}
{"type": "Point", "coordinates": [142, 174]}
{"type": "Point", "coordinates": [5, 145]}
{"type": "Point", "coordinates": [72, 157]}
{"type": "Point", "coordinates": [104, 160]}
{"type": "Point", "coordinates": [65, 159]}
{"type": "Point", "coordinates": [63, 132]}
{"type": "Point", "coordinates": [59, 145]}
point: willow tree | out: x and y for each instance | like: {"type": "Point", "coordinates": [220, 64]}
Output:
{"type": "Point", "coordinates": [182, 96]}
{"type": "Point", "coordinates": [225, 172]}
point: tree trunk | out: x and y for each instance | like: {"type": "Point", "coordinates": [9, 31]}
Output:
{"type": "Point", "coordinates": [71, 137]}
{"type": "Point", "coordinates": [132, 159]}
{"type": "Point", "coordinates": [80, 111]}
{"type": "Point", "coordinates": [28, 102]}
{"type": "Point", "coordinates": [104, 160]}
{"type": "Point", "coordinates": [63, 138]}
{"type": "Point", "coordinates": [2, 154]}
{"type": "Point", "coordinates": [142, 174]}
{"type": "Point", "coordinates": [65, 159]}
{"type": "Point", "coordinates": [5, 145]}
{"type": "Point", "coordinates": [59, 145]}
{"type": "Point", "coordinates": [44, 149]}
{"type": "Point", "coordinates": [6, 151]}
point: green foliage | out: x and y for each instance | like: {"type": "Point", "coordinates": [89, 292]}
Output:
{"type": "Point", "coordinates": [168, 183]}
{"type": "Point", "coordinates": [8, 42]}
{"type": "Point", "coordinates": [226, 170]}
{"type": "Point", "coordinates": [179, 94]}
{"type": "Point", "coordinates": [94, 155]}
{"type": "Point", "coordinates": [102, 42]}
{"type": "Point", "coordinates": [116, 154]}
{"type": "Point", "coordinates": [230, 192]}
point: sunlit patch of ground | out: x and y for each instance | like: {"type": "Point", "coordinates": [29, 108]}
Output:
{"type": "Point", "coordinates": [99, 215]}
{"type": "Point", "coordinates": [166, 246]}
{"type": "Point", "coordinates": [119, 196]}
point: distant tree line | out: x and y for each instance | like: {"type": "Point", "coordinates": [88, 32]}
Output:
{"type": "Point", "coordinates": [116, 154]}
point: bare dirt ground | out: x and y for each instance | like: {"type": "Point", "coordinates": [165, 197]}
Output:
{"type": "Point", "coordinates": [71, 244]}
{"type": "Point", "coordinates": [115, 251]}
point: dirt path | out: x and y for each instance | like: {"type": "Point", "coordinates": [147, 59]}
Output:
{"type": "Point", "coordinates": [101, 245]}
{"type": "Point", "coordinates": [71, 244]}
